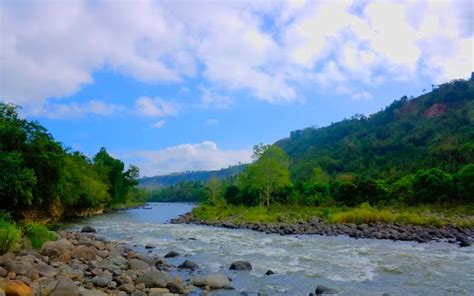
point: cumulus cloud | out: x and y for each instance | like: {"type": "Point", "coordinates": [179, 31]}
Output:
{"type": "Point", "coordinates": [155, 107]}
{"type": "Point", "coordinates": [186, 157]}
{"type": "Point", "coordinates": [268, 48]}
{"type": "Point", "coordinates": [158, 124]}
{"type": "Point", "coordinates": [75, 110]}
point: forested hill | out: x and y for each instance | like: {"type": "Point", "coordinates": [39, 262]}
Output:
{"type": "Point", "coordinates": [196, 176]}
{"type": "Point", "coordinates": [432, 130]}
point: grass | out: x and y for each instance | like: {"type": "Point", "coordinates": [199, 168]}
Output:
{"type": "Point", "coordinates": [436, 215]}
{"type": "Point", "coordinates": [10, 234]}
{"type": "Point", "coordinates": [38, 234]}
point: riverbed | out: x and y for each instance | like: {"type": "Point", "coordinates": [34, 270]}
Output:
{"type": "Point", "coordinates": [353, 267]}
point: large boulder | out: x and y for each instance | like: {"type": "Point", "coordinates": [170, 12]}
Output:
{"type": "Point", "coordinates": [45, 269]}
{"type": "Point", "coordinates": [137, 264]}
{"type": "Point", "coordinates": [198, 281]}
{"type": "Point", "coordinates": [103, 279]}
{"type": "Point", "coordinates": [18, 267]}
{"type": "Point", "coordinates": [57, 249]}
{"type": "Point", "coordinates": [17, 288]}
{"type": "Point", "coordinates": [172, 254]}
{"type": "Point", "coordinates": [154, 278]}
{"type": "Point", "coordinates": [241, 265]}
{"type": "Point", "coordinates": [66, 287]}
{"type": "Point", "coordinates": [218, 281]}
{"type": "Point", "coordinates": [85, 253]}
{"type": "Point", "coordinates": [323, 290]}
{"type": "Point", "coordinates": [88, 229]}
{"type": "Point", "coordinates": [188, 264]}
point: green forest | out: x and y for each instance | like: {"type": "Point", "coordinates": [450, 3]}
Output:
{"type": "Point", "coordinates": [417, 151]}
{"type": "Point", "coordinates": [41, 179]}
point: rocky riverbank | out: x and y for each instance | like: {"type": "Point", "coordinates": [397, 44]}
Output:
{"type": "Point", "coordinates": [88, 265]}
{"type": "Point", "coordinates": [375, 230]}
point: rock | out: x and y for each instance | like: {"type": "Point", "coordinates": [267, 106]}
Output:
{"type": "Point", "coordinates": [241, 265]}
{"type": "Point", "coordinates": [188, 264]}
{"type": "Point", "coordinates": [172, 254]}
{"type": "Point", "coordinates": [88, 229]}
{"type": "Point", "coordinates": [112, 285]}
{"type": "Point", "coordinates": [137, 264]}
{"type": "Point", "coordinates": [464, 242]}
{"type": "Point", "coordinates": [154, 278]}
{"type": "Point", "coordinates": [158, 292]}
{"type": "Point", "coordinates": [85, 253]}
{"type": "Point", "coordinates": [323, 290]}
{"type": "Point", "coordinates": [57, 249]}
{"type": "Point", "coordinates": [17, 267]}
{"type": "Point", "coordinates": [198, 281]}
{"type": "Point", "coordinates": [122, 293]}
{"type": "Point", "coordinates": [92, 292]}
{"type": "Point", "coordinates": [17, 288]}
{"type": "Point", "coordinates": [140, 286]}
{"type": "Point", "coordinates": [175, 287]}
{"type": "Point", "coordinates": [117, 251]}
{"type": "Point", "coordinates": [269, 272]}
{"type": "Point", "coordinates": [150, 246]}
{"type": "Point", "coordinates": [138, 293]}
{"type": "Point", "coordinates": [103, 253]}
{"type": "Point", "coordinates": [45, 270]}
{"type": "Point", "coordinates": [124, 279]}
{"type": "Point", "coordinates": [218, 281]}
{"type": "Point", "coordinates": [103, 279]}
{"type": "Point", "coordinates": [3, 272]}
{"type": "Point", "coordinates": [66, 287]}
{"type": "Point", "coordinates": [128, 287]}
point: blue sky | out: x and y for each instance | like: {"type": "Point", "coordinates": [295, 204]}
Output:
{"type": "Point", "coordinates": [188, 85]}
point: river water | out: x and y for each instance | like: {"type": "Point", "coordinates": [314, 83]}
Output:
{"type": "Point", "coordinates": [353, 267]}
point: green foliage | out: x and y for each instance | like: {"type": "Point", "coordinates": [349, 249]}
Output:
{"type": "Point", "coordinates": [10, 234]}
{"type": "Point", "coordinates": [38, 177]}
{"type": "Point", "coordinates": [432, 185]}
{"type": "Point", "coordinates": [38, 234]}
{"type": "Point", "coordinates": [184, 192]}
{"type": "Point", "coordinates": [465, 182]}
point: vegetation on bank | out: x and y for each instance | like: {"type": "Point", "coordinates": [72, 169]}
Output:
{"type": "Point", "coordinates": [423, 215]}
{"type": "Point", "coordinates": [42, 181]}
{"type": "Point", "coordinates": [412, 162]}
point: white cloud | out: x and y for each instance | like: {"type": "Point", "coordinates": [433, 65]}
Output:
{"type": "Point", "coordinates": [186, 157]}
{"type": "Point", "coordinates": [51, 49]}
{"type": "Point", "coordinates": [362, 96]}
{"type": "Point", "coordinates": [212, 100]}
{"type": "Point", "coordinates": [158, 124]}
{"type": "Point", "coordinates": [212, 121]}
{"type": "Point", "coordinates": [75, 110]}
{"type": "Point", "coordinates": [155, 107]}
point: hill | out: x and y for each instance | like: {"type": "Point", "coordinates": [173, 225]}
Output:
{"type": "Point", "coordinates": [196, 176]}
{"type": "Point", "coordinates": [434, 130]}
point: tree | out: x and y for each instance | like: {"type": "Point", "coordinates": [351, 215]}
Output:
{"type": "Point", "coordinates": [268, 174]}
{"type": "Point", "coordinates": [465, 182]}
{"type": "Point", "coordinates": [432, 185]}
{"type": "Point", "coordinates": [214, 191]}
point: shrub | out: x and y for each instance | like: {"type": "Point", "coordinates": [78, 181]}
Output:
{"type": "Point", "coordinates": [432, 185]}
{"type": "Point", "coordinates": [363, 214]}
{"type": "Point", "coordinates": [10, 234]}
{"type": "Point", "coordinates": [38, 234]}
{"type": "Point", "coordinates": [465, 182]}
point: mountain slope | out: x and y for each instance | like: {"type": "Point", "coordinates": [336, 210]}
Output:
{"type": "Point", "coordinates": [197, 176]}
{"type": "Point", "coordinates": [433, 130]}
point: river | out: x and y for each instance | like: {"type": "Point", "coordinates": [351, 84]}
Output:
{"type": "Point", "coordinates": [353, 267]}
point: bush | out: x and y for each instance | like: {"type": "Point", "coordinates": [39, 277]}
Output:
{"type": "Point", "coordinates": [38, 234]}
{"type": "Point", "coordinates": [10, 234]}
{"type": "Point", "coordinates": [465, 182]}
{"type": "Point", "coordinates": [363, 214]}
{"type": "Point", "coordinates": [431, 186]}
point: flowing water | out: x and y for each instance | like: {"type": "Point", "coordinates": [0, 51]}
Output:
{"type": "Point", "coordinates": [353, 267]}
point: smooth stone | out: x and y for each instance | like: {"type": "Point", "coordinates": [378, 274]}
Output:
{"type": "Point", "coordinates": [128, 287]}
{"type": "Point", "coordinates": [85, 252]}
{"type": "Point", "coordinates": [171, 254]}
{"type": "Point", "coordinates": [138, 293]}
{"type": "Point", "coordinates": [323, 290]}
{"type": "Point", "coordinates": [137, 264]}
{"type": "Point", "coordinates": [175, 287]}
{"type": "Point", "coordinates": [188, 264]}
{"type": "Point", "coordinates": [218, 281]}
{"type": "Point", "coordinates": [241, 265]}
{"type": "Point", "coordinates": [103, 279]}
{"type": "Point", "coordinates": [88, 229]}
{"type": "Point", "coordinates": [66, 287]}
{"type": "Point", "coordinates": [154, 278]}
{"type": "Point", "coordinates": [45, 270]}
{"type": "Point", "coordinates": [269, 272]}
{"type": "Point", "coordinates": [17, 288]}
{"type": "Point", "coordinates": [198, 281]}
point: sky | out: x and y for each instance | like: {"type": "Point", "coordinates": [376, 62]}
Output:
{"type": "Point", "coordinates": [188, 85]}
